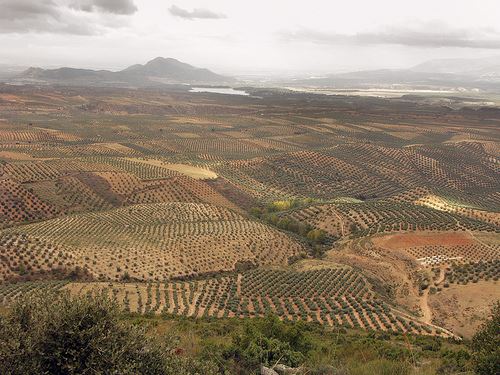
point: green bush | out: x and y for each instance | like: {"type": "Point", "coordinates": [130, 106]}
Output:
{"type": "Point", "coordinates": [453, 362]}
{"type": "Point", "coordinates": [381, 367]}
{"type": "Point", "coordinates": [485, 345]}
{"type": "Point", "coordinates": [316, 235]}
{"type": "Point", "coordinates": [270, 341]}
{"type": "Point", "coordinates": [60, 334]}
{"type": "Point", "coordinates": [429, 343]}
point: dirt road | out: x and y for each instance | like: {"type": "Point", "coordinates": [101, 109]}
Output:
{"type": "Point", "coordinates": [424, 301]}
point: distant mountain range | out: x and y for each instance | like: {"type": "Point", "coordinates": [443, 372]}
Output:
{"type": "Point", "coordinates": [481, 73]}
{"type": "Point", "coordinates": [456, 74]}
{"type": "Point", "coordinates": [479, 67]}
{"type": "Point", "coordinates": [157, 72]}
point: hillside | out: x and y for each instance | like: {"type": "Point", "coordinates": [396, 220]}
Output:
{"type": "Point", "coordinates": [155, 72]}
{"type": "Point", "coordinates": [171, 70]}
{"type": "Point", "coordinates": [439, 74]}
{"type": "Point", "coordinates": [148, 242]}
{"type": "Point", "coordinates": [353, 212]}
{"type": "Point", "coordinates": [487, 68]}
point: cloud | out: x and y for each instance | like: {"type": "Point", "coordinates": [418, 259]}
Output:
{"type": "Point", "coordinates": [22, 16]}
{"type": "Point", "coordinates": [432, 35]}
{"type": "Point", "coordinates": [60, 16]}
{"type": "Point", "coordinates": [197, 13]}
{"type": "Point", "coordinates": [123, 7]}
{"type": "Point", "coordinates": [12, 9]}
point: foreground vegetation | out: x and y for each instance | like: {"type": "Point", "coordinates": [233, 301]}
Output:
{"type": "Point", "coordinates": [60, 334]}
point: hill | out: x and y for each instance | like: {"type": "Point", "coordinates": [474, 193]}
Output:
{"type": "Point", "coordinates": [478, 67]}
{"type": "Point", "coordinates": [146, 242]}
{"type": "Point", "coordinates": [364, 212]}
{"type": "Point", "coordinates": [171, 70]}
{"type": "Point", "coordinates": [155, 72]}
{"type": "Point", "coordinates": [439, 74]}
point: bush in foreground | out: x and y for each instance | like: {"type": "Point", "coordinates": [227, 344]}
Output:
{"type": "Point", "coordinates": [270, 341]}
{"type": "Point", "coordinates": [485, 345]}
{"type": "Point", "coordinates": [60, 334]}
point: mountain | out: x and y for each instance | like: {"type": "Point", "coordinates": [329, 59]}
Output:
{"type": "Point", "coordinates": [156, 72]}
{"type": "Point", "coordinates": [478, 67]}
{"type": "Point", "coordinates": [10, 71]}
{"type": "Point", "coordinates": [384, 78]}
{"type": "Point", "coordinates": [172, 69]}
{"type": "Point", "coordinates": [450, 74]}
{"type": "Point", "coordinates": [64, 73]}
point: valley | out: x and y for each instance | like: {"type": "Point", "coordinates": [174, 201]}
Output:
{"type": "Point", "coordinates": [379, 214]}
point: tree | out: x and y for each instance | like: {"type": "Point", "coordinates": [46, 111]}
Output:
{"type": "Point", "coordinates": [270, 341]}
{"type": "Point", "coordinates": [485, 345]}
{"type": "Point", "coordinates": [60, 334]}
{"type": "Point", "coordinates": [316, 235]}
{"type": "Point", "coordinates": [453, 362]}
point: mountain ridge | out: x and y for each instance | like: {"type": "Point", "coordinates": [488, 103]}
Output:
{"type": "Point", "coordinates": [157, 71]}
{"type": "Point", "coordinates": [467, 66]}
{"type": "Point", "coordinates": [474, 73]}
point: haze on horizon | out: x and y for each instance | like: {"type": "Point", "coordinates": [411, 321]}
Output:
{"type": "Point", "coordinates": [236, 37]}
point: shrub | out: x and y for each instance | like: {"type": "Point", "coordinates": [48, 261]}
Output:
{"type": "Point", "coordinates": [270, 341]}
{"type": "Point", "coordinates": [382, 367]}
{"type": "Point", "coordinates": [60, 334]}
{"type": "Point", "coordinates": [316, 235]}
{"type": "Point", "coordinates": [485, 345]}
{"type": "Point", "coordinates": [453, 362]}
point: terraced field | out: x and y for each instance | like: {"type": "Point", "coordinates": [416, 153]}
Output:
{"type": "Point", "coordinates": [336, 297]}
{"type": "Point", "coordinates": [362, 219]}
{"type": "Point", "coordinates": [207, 205]}
{"type": "Point", "coordinates": [146, 242]}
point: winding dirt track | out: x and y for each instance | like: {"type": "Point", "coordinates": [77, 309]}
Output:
{"type": "Point", "coordinates": [341, 222]}
{"type": "Point", "coordinates": [424, 301]}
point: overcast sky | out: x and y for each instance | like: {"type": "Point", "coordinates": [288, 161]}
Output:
{"type": "Point", "coordinates": [235, 37]}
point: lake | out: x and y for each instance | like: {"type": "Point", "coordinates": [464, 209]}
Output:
{"type": "Point", "coordinates": [219, 90]}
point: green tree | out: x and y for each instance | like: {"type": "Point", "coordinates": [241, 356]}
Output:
{"type": "Point", "coordinates": [453, 362]}
{"type": "Point", "coordinates": [60, 334]}
{"type": "Point", "coordinates": [485, 345]}
{"type": "Point", "coordinates": [316, 235]}
{"type": "Point", "coordinates": [270, 341]}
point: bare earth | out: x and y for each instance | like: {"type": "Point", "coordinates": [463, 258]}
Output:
{"type": "Point", "coordinates": [188, 170]}
{"type": "Point", "coordinates": [462, 308]}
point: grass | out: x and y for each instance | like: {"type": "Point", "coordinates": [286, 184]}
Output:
{"type": "Point", "coordinates": [348, 351]}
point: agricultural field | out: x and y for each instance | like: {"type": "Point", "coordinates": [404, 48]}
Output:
{"type": "Point", "coordinates": [356, 212]}
{"type": "Point", "coordinates": [146, 242]}
{"type": "Point", "coordinates": [334, 297]}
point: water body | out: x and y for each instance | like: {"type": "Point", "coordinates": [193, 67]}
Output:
{"type": "Point", "coordinates": [219, 90]}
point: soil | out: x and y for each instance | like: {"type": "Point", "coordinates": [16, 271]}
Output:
{"type": "Point", "coordinates": [462, 308]}
{"type": "Point", "coordinates": [185, 169]}
{"type": "Point", "coordinates": [404, 240]}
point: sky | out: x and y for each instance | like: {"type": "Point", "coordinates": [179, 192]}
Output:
{"type": "Point", "coordinates": [247, 37]}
